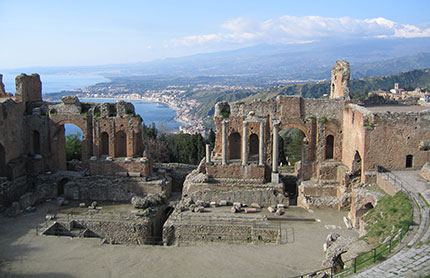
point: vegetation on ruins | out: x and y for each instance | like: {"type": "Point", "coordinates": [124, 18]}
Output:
{"type": "Point", "coordinates": [389, 216]}
{"type": "Point", "coordinates": [290, 145]}
{"type": "Point", "coordinates": [179, 147]}
{"type": "Point", "coordinates": [73, 146]}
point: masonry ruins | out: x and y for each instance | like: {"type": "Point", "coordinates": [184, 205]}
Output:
{"type": "Point", "coordinates": [343, 143]}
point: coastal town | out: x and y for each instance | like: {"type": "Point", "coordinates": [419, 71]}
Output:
{"type": "Point", "coordinates": [172, 97]}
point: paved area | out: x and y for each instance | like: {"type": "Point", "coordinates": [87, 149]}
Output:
{"type": "Point", "coordinates": [414, 259]}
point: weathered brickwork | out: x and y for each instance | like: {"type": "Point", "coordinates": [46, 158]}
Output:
{"type": "Point", "coordinates": [32, 140]}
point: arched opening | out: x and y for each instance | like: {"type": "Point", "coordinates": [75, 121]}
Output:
{"type": "Point", "coordinates": [60, 186]}
{"type": "Point", "coordinates": [290, 147]}
{"type": "Point", "coordinates": [2, 161]}
{"type": "Point", "coordinates": [36, 142]}
{"type": "Point", "coordinates": [120, 144]}
{"type": "Point", "coordinates": [409, 161]}
{"type": "Point", "coordinates": [104, 143]}
{"type": "Point", "coordinates": [67, 143]}
{"type": "Point", "coordinates": [329, 147]}
{"type": "Point", "coordinates": [253, 147]}
{"type": "Point", "coordinates": [235, 145]}
{"type": "Point", "coordinates": [73, 142]}
{"type": "Point", "coordinates": [356, 165]}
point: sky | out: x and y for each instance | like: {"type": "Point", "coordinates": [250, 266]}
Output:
{"type": "Point", "coordinates": [93, 32]}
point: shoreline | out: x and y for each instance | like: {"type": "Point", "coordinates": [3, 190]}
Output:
{"type": "Point", "coordinates": [149, 99]}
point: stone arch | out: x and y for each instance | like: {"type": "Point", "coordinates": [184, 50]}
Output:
{"type": "Point", "coordinates": [288, 140]}
{"type": "Point", "coordinates": [2, 161]}
{"type": "Point", "coordinates": [79, 121]}
{"type": "Point", "coordinates": [235, 145]}
{"type": "Point", "coordinates": [329, 147]}
{"type": "Point", "coordinates": [36, 142]}
{"type": "Point", "coordinates": [120, 144]}
{"type": "Point", "coordinates": [104, 143]}
{"type": "Point", "coordinates": [298, 126]}
{"type": "Point", "coordinates": [253, 146]}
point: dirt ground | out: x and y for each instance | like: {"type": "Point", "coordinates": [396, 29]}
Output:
{"type": "Point", "coordinates": [23, 253]}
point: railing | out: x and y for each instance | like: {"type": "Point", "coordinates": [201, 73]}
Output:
{"type": "Point", "coordinates": [361, 261]}
{"type": "Point", "coordinates": [376, 254]}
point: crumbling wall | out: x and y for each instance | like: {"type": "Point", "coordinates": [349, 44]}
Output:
{"type": "Point", "coordinates": [141, 167]}
{"type": "Point", "coordinates": [183, 232]}
{"type": "Point", "coordinates": [28, 88]}
{"type": "Point", "coordinates": [340, 76]}
{"type": "Point", "coordinates": [390, 137]}
{"type": "Point", "coordinates": [114, 188]}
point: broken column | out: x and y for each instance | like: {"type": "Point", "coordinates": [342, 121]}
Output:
{"type": "Point", "coordinates": [208, 153]}
{"type": "Point", "coordinates": [224, 142]}
{"type": "Point", "coordinates": [245, 144]}
{"type": "Point", "coordinates": [261, 146]}
{"type": "Point", "coordinates": [275, 174]}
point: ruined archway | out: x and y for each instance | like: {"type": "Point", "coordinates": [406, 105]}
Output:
{"type": "Point", "coordinates": [290, 147]}
{"type": "Point", "coordinates": [36, 142]}
{"type": "Point", "coordinates": [104, 143]}
{"type": "Point", "coordinates": [329, 147]}
{"type": "Point", "coordinates": [70, 146]}
{"type": "Point", "coordinates": [253, 147]}
{"type": "Point", "coordinates": [235, 145]}
{"type": "Point", "coordinates": [2, 161]}
{"type": "Point", "coordinates": [356, 165]}
{"type": "Point", "coordinates": [120, 144]}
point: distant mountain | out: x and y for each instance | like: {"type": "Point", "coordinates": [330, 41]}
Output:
{"type": "Point", "coordinates": [269, 63]}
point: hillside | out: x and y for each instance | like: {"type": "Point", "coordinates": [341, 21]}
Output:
{"type": "Point", "coordinates": [358, 87]}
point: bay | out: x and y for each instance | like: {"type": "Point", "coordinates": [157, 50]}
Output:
{"type": "Point", "coordinates": [159, 114]}
{"type": "Point", "coordinates": [54, 83]}
{"type": "Point", "coordinates": [151, 112]}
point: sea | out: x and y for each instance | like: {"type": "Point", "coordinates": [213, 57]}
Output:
{"type": "Point", "coordinates": [151, 112]}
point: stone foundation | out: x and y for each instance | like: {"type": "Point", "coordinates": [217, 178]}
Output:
{"type": "Point", "coordinates": [218, 227]}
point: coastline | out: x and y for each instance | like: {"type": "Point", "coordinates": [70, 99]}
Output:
{"type": "Point", "coordinates": [175, 107]}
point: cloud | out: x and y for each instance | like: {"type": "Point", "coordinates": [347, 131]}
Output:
{"type": "Point", "coordinates": [293, 29]}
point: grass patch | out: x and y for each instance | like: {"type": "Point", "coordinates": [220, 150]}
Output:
{"type": "Point", "coordinates": [390, 211]}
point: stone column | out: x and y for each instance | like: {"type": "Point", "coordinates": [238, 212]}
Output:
{"type": "Point", "coordinates": [208, 153]}
{"type": "Point", "coordinates": [261, 146]}
{"type": "Point", "coordinates": [245, 144]}
{"type": "Point", "coordinates": [275, 174]}
{"type": "Point", "coordinates": [224, 142]}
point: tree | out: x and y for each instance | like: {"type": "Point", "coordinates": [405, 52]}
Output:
{"type": "Point", "coordinates": [73, 146]}
{"type": "Point", "coordinates": [211, 138]}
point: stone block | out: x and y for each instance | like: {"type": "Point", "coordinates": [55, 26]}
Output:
{"type": "Point", "coordinates": [222, 203]}
{"type": "Point", "coordinates": [199, 209]}
{"type": "Point", "coordinates": [271, 209]}
{"type": "Point", "coordinates": [275, 177]}
{"type": "Point", "coordinates": [134, 174]}
{"type": "Point", "coordinates": [251, 210]}
{"type": "Point", "coordinates": [279, 212]}
{"type": "Point", "coordinates": [255, 205]}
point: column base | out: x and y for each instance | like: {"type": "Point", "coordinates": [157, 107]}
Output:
{"type": "Point", "coordinates": [275, 177]}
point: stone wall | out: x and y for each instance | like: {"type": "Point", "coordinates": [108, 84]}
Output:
{"type": "Point", "coordinates": [114, 188]}
{"type": "Point", "coordinates": [177, 171]}
{"type": "Point", "coordinates": [390, 137]}
{"type": "Point", "coordinates": [176, 233]}
{"type": "Point", "coordinates": [236, 171]}
{"type": "Point", "coordinates": [386, 184]}
{"type": "Point", "coordinates": [133, 166]}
